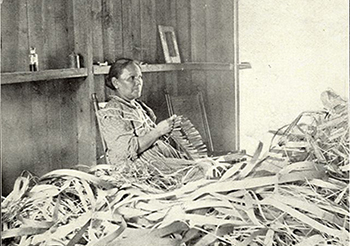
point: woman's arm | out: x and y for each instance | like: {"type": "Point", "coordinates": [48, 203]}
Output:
{"type": "Point", "coordinates": [120, 137]}
{"type": "Point", "coordinates": [164, 127]}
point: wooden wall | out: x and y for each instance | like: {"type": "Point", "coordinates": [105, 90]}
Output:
{"type": "Point", "coordinates": [48, 125]}
{"type": "Point", "coordinates": [39, 120]}
{"type": "Point", "coordinates": [204, 29]}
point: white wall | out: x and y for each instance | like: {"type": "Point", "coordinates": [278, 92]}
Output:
{"type": "Point", "coordinates": [298, 49]}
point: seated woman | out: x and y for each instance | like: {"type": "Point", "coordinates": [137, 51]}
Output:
{"type": "Point", "coordinates": [134, 140]}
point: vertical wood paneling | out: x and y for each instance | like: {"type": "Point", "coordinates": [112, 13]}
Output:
{"type": "Point", "coordinates": [39, 128]}
{"type": "Point", "coordinates": [170, 19]}
{"type": "Point", "coordinates": [23, 126]}
{"type": "Point", "coordinates": [36, 30]}
{"type": "Point", "coordinates": [54, 124]}
{"type": "Point", "coordinates": [149, 46]}
{"type": "Point", "coordinates": [10, 114]}
{"type": "Point", "coordinates": [86, 150]}
{"type": "Point", "coordinates": [229, 117]}
{"type": "Point", "coordinates": [23, 45]}
{"type": "Point", "coordinates": [156, 95]}
{"type": "Point", "coordinates": [15, 117]}
{"type": "Point", "coordinates": [68, 119]}
{"type": "Point", "coordinates": [131, 29]}
{"type": "Point", "coordinates": [219, 30]}
{"type": "Point", "coordinates": [66, 141]}
{"type": "Point", "coordinates": [221, 93]}
{"type": "Point", "coordinates": [70, 27]}
{"type": "Point", "coordinates": [48, 58]}
{"type": "Point", "coordinates": [98, 53]}
{"type": "Point", "coordinates": [184, 38]}
{"type": "Point", "coordinates": [109, 17]}
{"type": "Point", "coordinates": [98, 56]}
{"type": "Point", "coordinates": [198, 41]}
{"type": "Point", "coordinates": [148, 30]}
{"type": "Point", "coordinates": [183, 8]}
{"type": "Point", "coordinates": [16, 100]}
{"type": "Point", "coordinates": [154, 84]}
{"type": "Point", "coordinates": [166, 15]}
{"type": "Point", "coordinates": [55, 55]}
{"type": "Point", "coordinates": [10, 36]}
{"type": "Point", "coordinates": [199, 47]}
{"type": "Point", "coordinates": [61, 34]}
{"type": "Point", "coordinates": [198, 31]}
{"type": "Point", "coordinates": [157, 89]}
{"type": "Point", "coordinates": [118, 29]}
{"type": "Point", "coordinates": [214, 29]}
{"type": "Point", "coordinates": [97, 31]}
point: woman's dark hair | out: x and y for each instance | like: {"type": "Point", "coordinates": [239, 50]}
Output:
{"type": "Point", "coordinates": [116, 70]}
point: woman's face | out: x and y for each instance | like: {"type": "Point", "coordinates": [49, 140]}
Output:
{"type": "Point", "coordinates": [129, 84]}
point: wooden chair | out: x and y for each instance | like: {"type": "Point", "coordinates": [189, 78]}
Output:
{"type": "Point", "coordinates": [97, 106]}
{"type": "Point", "coordinates": [193, 108]}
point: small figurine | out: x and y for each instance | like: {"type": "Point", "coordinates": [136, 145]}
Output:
{"type": "Point", "coordinates": [33, 60]}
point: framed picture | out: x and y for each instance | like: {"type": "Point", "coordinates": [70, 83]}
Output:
{"type": "Point", "coordinates": [169, 44]}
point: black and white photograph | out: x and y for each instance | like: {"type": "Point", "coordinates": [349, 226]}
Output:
{"type": "Point", "coordinates": [174, 123]}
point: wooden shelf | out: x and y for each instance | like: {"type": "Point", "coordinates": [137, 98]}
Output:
{"type": "Point", "coordinates": [20, 77]}
{"type": "Point", "coordinates": [148, 68]}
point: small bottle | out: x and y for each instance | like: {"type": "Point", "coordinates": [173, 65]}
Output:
{"type": "Point", "coordinates": [33, 60]}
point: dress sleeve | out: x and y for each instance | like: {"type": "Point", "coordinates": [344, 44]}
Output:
{"type": "Point", "coordinates": [118, 133]}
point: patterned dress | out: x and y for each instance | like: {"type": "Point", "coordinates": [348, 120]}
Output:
{"type": "Point", "coordinates": [121, 123]}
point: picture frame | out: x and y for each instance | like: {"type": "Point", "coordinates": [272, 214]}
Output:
{"type": "Point", "coordinates": [169, 44]}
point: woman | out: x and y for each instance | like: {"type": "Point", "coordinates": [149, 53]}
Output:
{"type": "Point", "coordinates": [134, 141]}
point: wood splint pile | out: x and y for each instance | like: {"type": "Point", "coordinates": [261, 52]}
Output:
{"type": "Point", "coordinates": [296, 194]}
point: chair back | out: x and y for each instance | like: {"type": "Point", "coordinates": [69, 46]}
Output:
{"type": "Point", "coordinates": [192, 107]}
{"type": "Point", "coordinates": [97, 106]}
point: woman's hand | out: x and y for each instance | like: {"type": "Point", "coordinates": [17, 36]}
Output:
{"type": "Point", "coordinates": [166, 126]}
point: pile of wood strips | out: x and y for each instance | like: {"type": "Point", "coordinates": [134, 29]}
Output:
{"type": "Point", "coordinates": [296, 194]}
{"type": "Point", "coordinates": [320, 137]}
